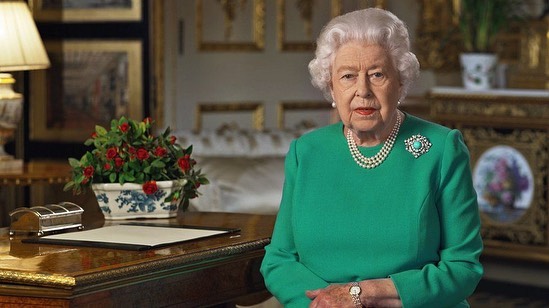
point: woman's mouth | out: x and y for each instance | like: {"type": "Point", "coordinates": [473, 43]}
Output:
{"type": "Point", "coordinates": [365, 111]}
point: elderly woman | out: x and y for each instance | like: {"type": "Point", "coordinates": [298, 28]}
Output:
{"type": "Point", "coordinates": [378, 209]}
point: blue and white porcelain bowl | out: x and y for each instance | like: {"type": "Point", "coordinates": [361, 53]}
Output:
{"type": "Point", "coordinates": [128, 201]}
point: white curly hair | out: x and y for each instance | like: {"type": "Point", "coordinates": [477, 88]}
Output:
{"type": "Point", "coordinates": [372, 25]}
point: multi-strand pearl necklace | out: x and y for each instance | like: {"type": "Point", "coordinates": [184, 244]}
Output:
{"type": "Point", "coordinates": [376, 160]}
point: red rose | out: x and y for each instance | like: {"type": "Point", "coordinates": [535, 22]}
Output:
{"type": "Point", "coordinates": [94, 135]}
{"type": "Point", "coordinates": [88, 171]}
{"type": "Point", "coordinates": [118, 162]}
{"type": "Point", "coordinates": [150, 187]}
{"type": "Point", "coordinates": [142, 154]}
{"type": "Point", "coordinates": [107, 166]}
{"type": "Point", "coordinates": [160, 151]}
{"type": "Point", "coordinates": [124, 127]}
{"type": "Point", "coordinates": [85, 181]}
{"type": "Point", "coordinates": [173, 139]}
{"type": "Point", "coordinates": [184, 163]}
{"type": "Point", "coordinates": [147, 120]}
{"type": "Point", "coordinates": [111, 153]}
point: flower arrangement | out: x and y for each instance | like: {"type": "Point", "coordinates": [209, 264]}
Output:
{"type": "Point", "coordinates": [130, 153]}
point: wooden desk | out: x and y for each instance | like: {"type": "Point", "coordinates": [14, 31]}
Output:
{"type": "Point", "coordinates": [199, 273]}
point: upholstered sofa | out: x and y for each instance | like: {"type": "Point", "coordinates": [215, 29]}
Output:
{"type": "Point", "coordinates": [245, 168]}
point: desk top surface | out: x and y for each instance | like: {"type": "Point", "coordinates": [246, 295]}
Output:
{"type": "Point", "coordinates": [69, 267]}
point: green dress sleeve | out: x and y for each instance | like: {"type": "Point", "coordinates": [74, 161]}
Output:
{"type": "Point", "coordinates": [458, 272]}
{"type": "Point", "coordinates": [285, 277]}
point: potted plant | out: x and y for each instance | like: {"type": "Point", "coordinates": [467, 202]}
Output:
{"type": "Point", "coordinates": [134, 173]}
{"type": "Point", "coordinates": [480, 21]}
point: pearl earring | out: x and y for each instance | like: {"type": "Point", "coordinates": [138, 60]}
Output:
{"type": "Point", "coordinates": [333, 104]}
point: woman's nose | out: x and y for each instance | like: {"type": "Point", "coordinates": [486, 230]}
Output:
{"type": "Point", "coordinates": [363, 88]}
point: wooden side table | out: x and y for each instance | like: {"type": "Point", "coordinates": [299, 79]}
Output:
{"type": "Point", "coordinates": [507, 133]}
{"type": "Point", "coordinates": [39, 175]}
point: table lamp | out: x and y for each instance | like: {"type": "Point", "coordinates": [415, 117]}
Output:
{"type": "Point", "coordinates": [22, 50]}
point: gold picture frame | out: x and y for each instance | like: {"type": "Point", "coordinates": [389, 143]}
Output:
{"type": "Point", "coordinates": [228, 30]}
{"type": "Point", "coordinates": [509, 172]}
{"type": "Point", "coordinates": [307, 114]}
{"type": "Point", "coordinates": [230, 112]}
{"type": "Point", "coordinates": [88, 11]}
{"type": "Point", "coordinates": [95, 82]}
{"type": "Point", "coordinates": [310, 16]}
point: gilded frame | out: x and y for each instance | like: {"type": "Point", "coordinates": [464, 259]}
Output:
{"type": "Point", "coordinates": [528, 229]}
{"type": "Point", "coordinates": [114, 89]}
{"type": "Point", "coordinates": [285, 108]}
{"type": "Point", "coordinates": [306, 10]}
{"type": "Point", "coordinates": [256, 109]}
{"type": "Point", "coordinates": [257, 40]}
{"type": "Point", "coordinates": [103, 13]}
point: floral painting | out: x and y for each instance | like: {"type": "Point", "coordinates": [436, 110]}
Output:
{"type": "Point", "coordinates": [504, 183]}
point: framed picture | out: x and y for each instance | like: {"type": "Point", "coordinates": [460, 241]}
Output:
{"type": "Point", "coordinates": [235, 115]}
{"type": "Point", "coordinates": [86, 10]}
{"type": "Point", "coordinates": [509, 172]}
{"type": "Point", "coordinates": [306, 19]}
{"type": "Point", "coordinates": [304, 115]}
{"type": "Point", "coordinates": [230, 25]}
{"type": "Point", "coordinates": [89, 82]}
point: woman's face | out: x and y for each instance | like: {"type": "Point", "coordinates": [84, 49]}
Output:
{"type": "Point", "coordinates": [365, 87]}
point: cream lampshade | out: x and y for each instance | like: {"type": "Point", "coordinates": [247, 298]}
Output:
{"type": "Point", "coordinates": [22, 50]}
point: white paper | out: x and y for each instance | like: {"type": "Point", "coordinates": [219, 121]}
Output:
{"type": "Point", "coordinates": [136, 235]}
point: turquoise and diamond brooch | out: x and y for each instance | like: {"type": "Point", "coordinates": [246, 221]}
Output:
{"type": "Point", "coordinates": [417, 145]}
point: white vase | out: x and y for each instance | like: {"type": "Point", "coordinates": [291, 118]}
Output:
{"type": "Point", "coordinates": [129, 201]}
{"type": "Point", "coordinates": [478, 70]}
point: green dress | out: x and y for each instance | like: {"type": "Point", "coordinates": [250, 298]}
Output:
{"type": "Point", "coordinates": [414, 220]}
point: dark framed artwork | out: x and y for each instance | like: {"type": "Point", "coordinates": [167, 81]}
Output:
{"type": "Point", "coordinates": [89, 83]}
{"type": "Point", "coordinates": [86, 10]}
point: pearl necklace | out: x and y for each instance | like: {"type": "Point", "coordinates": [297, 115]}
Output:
{"type": "Point", "coordinates": [376, 160]}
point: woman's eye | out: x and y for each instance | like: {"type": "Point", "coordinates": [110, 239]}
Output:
{"type": "Point", "coordinates": [377, 78]}
{"type": "Point", "coordinates": [377, 75]}
{"type": "Point", "coordinates": [347, 76]}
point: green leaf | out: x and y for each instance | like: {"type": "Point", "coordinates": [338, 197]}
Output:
{"type": "Point", "coordinates": [158, 163]}
{"type": "Point", "coordinates": [112, 177]}
{"type": "Point", "coordinates": [129, 177]}
{"type": "Point", "coordinates": [69, 186]}
{"type": "Point", "coordinates": [75, 163]}
{"type": "Point", "coordinates": [100, 130]}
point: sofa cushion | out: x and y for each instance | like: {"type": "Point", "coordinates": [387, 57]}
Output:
{"type": "Point", "coordinates": [240, 184]}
